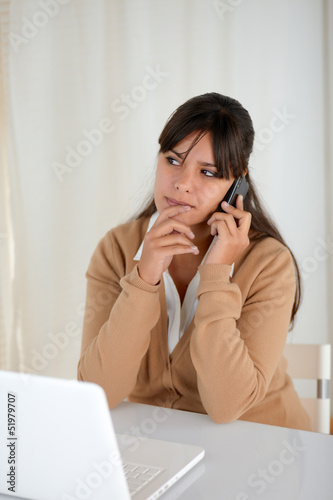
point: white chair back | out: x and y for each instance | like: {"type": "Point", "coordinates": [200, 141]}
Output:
{"type": "Point", "coordinates": [308, 361]}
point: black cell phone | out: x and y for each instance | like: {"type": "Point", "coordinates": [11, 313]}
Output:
{"type": "Point", "coordinates": [239, 186]}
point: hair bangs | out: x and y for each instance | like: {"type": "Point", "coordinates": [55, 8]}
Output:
{"type": "Point", "coordinates": [186, 125]}
{"type": "Point", "coordinates": [226, 140]}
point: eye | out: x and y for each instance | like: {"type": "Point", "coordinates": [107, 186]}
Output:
{"type": "Point", "coordinates": [172, 161]}
{"type": "Point", "coordinates": [209, 173]}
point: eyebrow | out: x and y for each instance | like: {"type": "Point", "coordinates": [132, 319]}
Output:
{"type": "Point", "coordinates": [205, 164]}
{"type": "Point", "coordinates": [177, 154]}
{"type": "Point", "coordinates": [202, 163]}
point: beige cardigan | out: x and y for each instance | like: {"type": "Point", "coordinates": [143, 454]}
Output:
{"type": "Point", "coordinates": [229, 361]}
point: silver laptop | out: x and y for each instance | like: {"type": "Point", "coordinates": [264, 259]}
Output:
{"type": "Point", "coordinates": [57, 442]}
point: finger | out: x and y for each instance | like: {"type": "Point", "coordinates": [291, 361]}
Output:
{"type": "Point", "coordinates": [243, 218]}
{"type": "Point", "coordinates": [223, 225]}
{"type": "Point", "coordinates": [235, 212]}
{"type": "Point", "coordinates": [169, 250]}
{"type": "Point", "coordinates": [179, 250]}
{"type": "Point", "coordinates": [170, 213]}
{"type": "Point", "coordinates": [240, 202]}
{"type": "Point", "coordinates": [168, 226]}
{"type": "Point", "coordinates": [221, 217]}
{"type": "Point", "coordinates": [173, 211]}
{"type": "Point", "coordinates": [174, 239]}
{"type": "Point", "coordinates": [214, 228]}
{"type": "Point", "coordinates": [235, 219]}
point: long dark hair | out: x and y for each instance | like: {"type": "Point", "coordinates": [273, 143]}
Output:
{"type": "Point", "coordinates": [232, 133]}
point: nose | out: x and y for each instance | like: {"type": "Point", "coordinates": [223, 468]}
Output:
{"type": "Point", "coordinates": [184, 181]}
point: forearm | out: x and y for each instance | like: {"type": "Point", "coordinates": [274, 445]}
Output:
{"type": "Point", "coordinates": [228, 380]}
{"type": "Point", "coordinates": [234, 354]}
{"type": "Point", "coordinates": [112, 356]}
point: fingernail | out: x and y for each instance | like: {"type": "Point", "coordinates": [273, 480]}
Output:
{"type": "Point", "coordinates": [192, 235]}
{"type": "Point", "coordinates": [186, 208]}
{"type": "Point", "coordinates": [226, 204]}
{"type": "Point", "coordinates": [196, 249]}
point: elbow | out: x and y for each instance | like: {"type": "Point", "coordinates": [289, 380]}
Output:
{"type": "Point", "coordinates": [221, 418]}
{"type": "Point", "coordinates": [223, 415]}
{"type": "Point", "coordinates": [116, 390]}
{"type": "Point", "coordinates": [232, 406]}
{"type": "Point", "coordinates": [79, 373]}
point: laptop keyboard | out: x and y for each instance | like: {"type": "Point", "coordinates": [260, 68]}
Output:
{"type": "Point", "coordinates": [138, 475]}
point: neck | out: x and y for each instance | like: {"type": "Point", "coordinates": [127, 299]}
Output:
{"type": "Point", "coordinates": [203, 238]}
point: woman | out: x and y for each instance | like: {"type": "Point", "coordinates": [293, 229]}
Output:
{"type": "Point", "coordinates": [189, 306]}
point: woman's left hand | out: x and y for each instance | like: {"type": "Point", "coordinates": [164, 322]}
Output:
{"type": "Point", "coordinates": [232, 230]}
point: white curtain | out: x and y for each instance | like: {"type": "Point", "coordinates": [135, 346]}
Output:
{"type": "Point", "coordinates": [86, 86]}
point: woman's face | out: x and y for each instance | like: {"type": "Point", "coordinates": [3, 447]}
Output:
{"type": "Point", "coordinates": [193, 182]}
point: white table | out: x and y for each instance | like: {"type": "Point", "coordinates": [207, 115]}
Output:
{"type": "Point", "coordinates": [243, 460]}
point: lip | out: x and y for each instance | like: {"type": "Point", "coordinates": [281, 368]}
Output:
{"type": "Point", "coordinates": [172, 202]}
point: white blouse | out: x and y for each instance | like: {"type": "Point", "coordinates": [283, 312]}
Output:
{"type": "Point", "coordinates": [179, 315]}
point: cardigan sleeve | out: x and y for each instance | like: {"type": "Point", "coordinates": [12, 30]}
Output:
{"type": "Point", "coordinates": [117, 325]}
{"type": "Point", "coordinates": [237, 342]}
